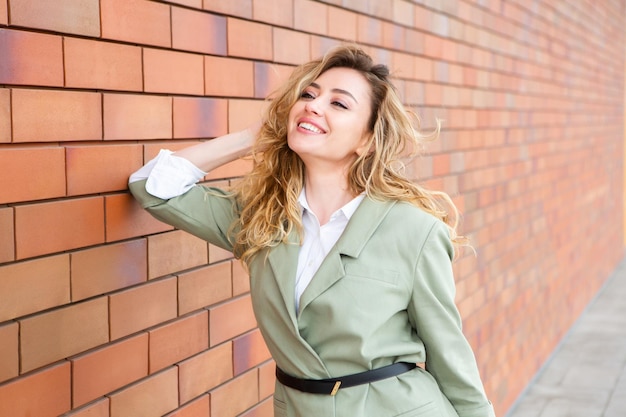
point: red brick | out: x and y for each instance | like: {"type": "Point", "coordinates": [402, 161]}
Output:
{"type": "Point", "coordinates": [197, 408]}
{"type": "Point", "coordinates": [267, 379]}
{"type": "Point", "coordinates": [138, 308]}
{"type": "Point", "coordinates": [369, 30]}
{"type": "Point", "coordinates": [51, 116]}
{"type": "Point", "coordinates": [109, 368]}
{"type": "Point", "coordinates": [198, 31]}
{"type": "Point", "coordinates": [136, 117]}
{"type": "Point", "coordinates": [342, 24]}
{"type": "Point", "coordinates": [205, 371]}
{"type": "Point", "coordinates": [99, 408]}
{"type": "Point", "coordinates": [178, 340]}
{"type": "Point", "coordinates": [4, 19]}
{"type": "Point", "coordinates": [310, 16]}
{"type": "Point", "coordinates": [245, 388]}
{"type": "Point", "coordinates": [102, 65]}
{"type": "Point", "coordinates": [58, 226]}
{"type": "Point", "coordinates": [291, 47]}
{"type": "Point", "coordinates": [263, 409]}
{"type": "Point", "coordinates": [196, 4]}
{"type": "Point", "coordinates": [249, 39]}
{"type": "Point", "coordinates": [241, 279]}
{"type": "Point", "coordinates": [241, 8]}
{"type": "Point", "coordinates": [97, 169]}
{"type": "Point", "coordinates": [42, 394]}
{"type": "Point", "coordinates": [107, 268]}
{"type": "Point", "coordinates": [233, 169]}
{"type": "Point", "coordinates": [43, 167]}
{"type": "Point", "coordinates": [126, 219]}
{"type": "Point", "coordinates": [320, 45]}
{"type": "Point", "coordinates": [200, 117]}
{"type": "Point", "coordinates": [203, 287]}
{"type": "Point", "coordinates": [9, 359]}
{"type": "Point", "coordinates": [277, 12]}
{"type": "Point", "coordinates": [173, 72]}
{"type": "Point", "coordinates": [30, 58]}
{"type": "Point", "coordinates": [217, 254]}
{"type": "Point", "coordinates": [7, 238]}
{"type": "Point", "coordinates": [174, 251]}
{"type": "Point", "coordinates": [268, 78]}
{"type": "Point", "coordinates": [249, 351]}
{"type": "Point", "coordinates": [228, 77]}
{"type": "Point", "coordinates": [154, 396]}
{"type": "Point", "coordinates": [136, 21]}
{"type": "Point", "coordinates": [243, 113]}
{"type": "Point", "coordinates": [29, 287]}
{"type": "Point", "coordinates": [52, 336]}
{"type": "Point", "coordinates": [231, 319]}
{"type": "Point", "coordinates": [67, 16]}
{"type": "Point", "coordinates": [5, 115]}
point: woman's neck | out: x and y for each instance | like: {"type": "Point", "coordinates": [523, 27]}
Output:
{"type": "Point", "coordinates": [326, 193]}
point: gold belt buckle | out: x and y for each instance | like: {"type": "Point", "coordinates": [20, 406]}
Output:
{"type": "Point", "coordinates": [335, 388]}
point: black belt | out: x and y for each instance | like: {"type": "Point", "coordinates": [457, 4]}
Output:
{"type": "Point", "coordinates": [331, 386]}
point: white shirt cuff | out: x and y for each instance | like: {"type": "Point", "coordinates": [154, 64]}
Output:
{"type": "Point", "coordinates": [168, 175]}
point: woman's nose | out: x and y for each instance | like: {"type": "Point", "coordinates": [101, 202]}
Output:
{"type": "Point", "coordinates": [313, 106]}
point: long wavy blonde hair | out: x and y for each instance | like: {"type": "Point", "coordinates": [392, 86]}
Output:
{"type": "Point", "coordinates": [268, 195]}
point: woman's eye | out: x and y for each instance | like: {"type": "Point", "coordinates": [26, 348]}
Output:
{"type": "Point", "coordinates": [340, 104]}
{"type": "Point", "coordinates": [306, 94]}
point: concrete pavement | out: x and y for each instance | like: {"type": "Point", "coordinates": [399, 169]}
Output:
{"type": "Point", "coordinates": [586, 374]}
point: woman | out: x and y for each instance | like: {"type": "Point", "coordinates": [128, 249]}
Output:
{"type": "Point", "coordinates": [349, 261]}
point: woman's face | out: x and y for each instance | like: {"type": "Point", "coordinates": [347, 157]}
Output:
{"type": "Point", "coordinates": [328, 124]}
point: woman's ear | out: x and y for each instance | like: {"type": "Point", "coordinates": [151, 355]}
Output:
{"type": "Point", "coordinates": [367, 144]}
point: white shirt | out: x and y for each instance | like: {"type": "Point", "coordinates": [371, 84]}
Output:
{"type": "Point", "coordinates": [169, 176]}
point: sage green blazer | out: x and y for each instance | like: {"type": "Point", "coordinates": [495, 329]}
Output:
{"type": "Point", "coordinates": [385, 293]}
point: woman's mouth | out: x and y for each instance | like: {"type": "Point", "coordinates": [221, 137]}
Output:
{"type": "Point", "coordinates": [310, 127]}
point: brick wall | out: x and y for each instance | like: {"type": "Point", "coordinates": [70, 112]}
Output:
{"type": "Point", "coordinates": [107, 312]}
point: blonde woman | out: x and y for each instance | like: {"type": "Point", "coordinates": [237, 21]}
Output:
{"type": "Point", "coordinates": [349, 261]}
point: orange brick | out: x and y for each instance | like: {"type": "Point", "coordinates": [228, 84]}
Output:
{"type": "Point", "coordinates": [228, 77]}
{"type": "Point", "coordinates": [43, 394]}
{"type": "Point", "coordinates": [230, 319]}
{"type": "Point", "coordinates": [126, 219]}
{"type": "Point", "coordinates": [173, 72]}
{"type": "Point", "coordinates": [249, 351]}
{"type": "Point", "coordinates": [4, 19]}
{"type": "Point", "coordinates": [243, 113]}
{"type": "Point", "coordinates": [277, 12]}
{"type": "Point", "coordinates": [141, 307]}
{"type": "Point", "coordinates": [7, 238]}
{"type": "Point", "coordinates": [263, 409]}
{"type": "Point", "coordinates": [9, 360]}
{"type": "Point", "coordinates": [245, 388]}
{"type": "Point", "coordinates": [99, 408]}
{"type": "Point", "coordinates": [102, 65]}
{"type": "Point", "coordinates": [150, 150]}
{"type": "Point", "coordinates": [233, 169]}
{"type": "Point", "coordinates": [241, 279]}
{"type": "Point", "coordinates": [196, 4]}
{"type": "Point", "coordinates": [67, 16]}
{"type": "Point", "coordinates": [202, 287]}
{"type": "Point", "coordinates": [29, 287]}
{"type": "Point", "coordinates": [30, 58]}
{"type": "Point", "coordinates": [267, 379]}
{"type": "Point", "coordinates": [136, 21]}
{"type": "Point", "coordinates": [249, 39]}
{"type": "Point", "coordinates": [178, 340]}
{"type": "Point", "coordinates": [196, 408]}
{"type": "Point", "coordinates": [97, 169]}
{"type": "Point", "coordinates": [109, 368]}
{"type": "Point", "coordinates": [174, 251]}
{"type": "Point", "coordinates": [291, 47]}
{"type": "Point", "coordinates": [342, 24]}
{"type": "Point", "coordinates": [58, 226]}
{"type": "Point", "coordinates": [205, 371]}
{"type": "Point", "coordinates": [44, 168]}
{"type": "Point", "coordinates": [133, 117]}
{"type": "Point", "coordinates": [310, 16]}
{"type": "Point", "coordinates": [5, 115]}
{"type": "Point", "coordinates": [154, 396]}
{"type": "Point", "coordinates": [197, 31]}
{"type": "Point", "coordinates": [217, 254]}
{"type": "Point", "coordinates": [320, 45]}
{"type": "Point", "coordinates": [200, 117]}
{"type": "Point", "coordinates": [52, 336]}
{"type": "Point", "coordinates": [241, 8]}
{"type": "Point", "coordinates": [51, 116]}
{"type": "Point", "coordinates": [107, 268]}
{"type": "Point", "coordinates": [269, 77]}
{"type": "Point", "coordinates": [369, 30]}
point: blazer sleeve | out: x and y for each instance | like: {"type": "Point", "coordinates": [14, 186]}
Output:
{"type": "Point", "coordinates": [433, 313]}
{"type": "Point", "coordinates": [205, 212]}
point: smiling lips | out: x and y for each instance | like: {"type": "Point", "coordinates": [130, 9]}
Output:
{"type": "Point", "coordinates": [310, 127]}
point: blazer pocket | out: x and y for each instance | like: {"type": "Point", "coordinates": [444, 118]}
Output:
{"type": "Point", "coordinates": [280, 408]}
{"type": "Point", "coordinates": [427, 410]}
{"type": "Point", "coordinates": [385, 276]}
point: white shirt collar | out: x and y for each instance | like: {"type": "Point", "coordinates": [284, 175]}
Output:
{"type": "Point", "coordinates": [347, 210]}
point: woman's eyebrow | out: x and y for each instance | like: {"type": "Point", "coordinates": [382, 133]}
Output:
{"type": "Point", "coordinates": [336, 90]}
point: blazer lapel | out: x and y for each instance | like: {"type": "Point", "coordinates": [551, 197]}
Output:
{"type": "Point", "coordinates": [359, 230]}
{"type": "Point", "coordinates": [283, 260]}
